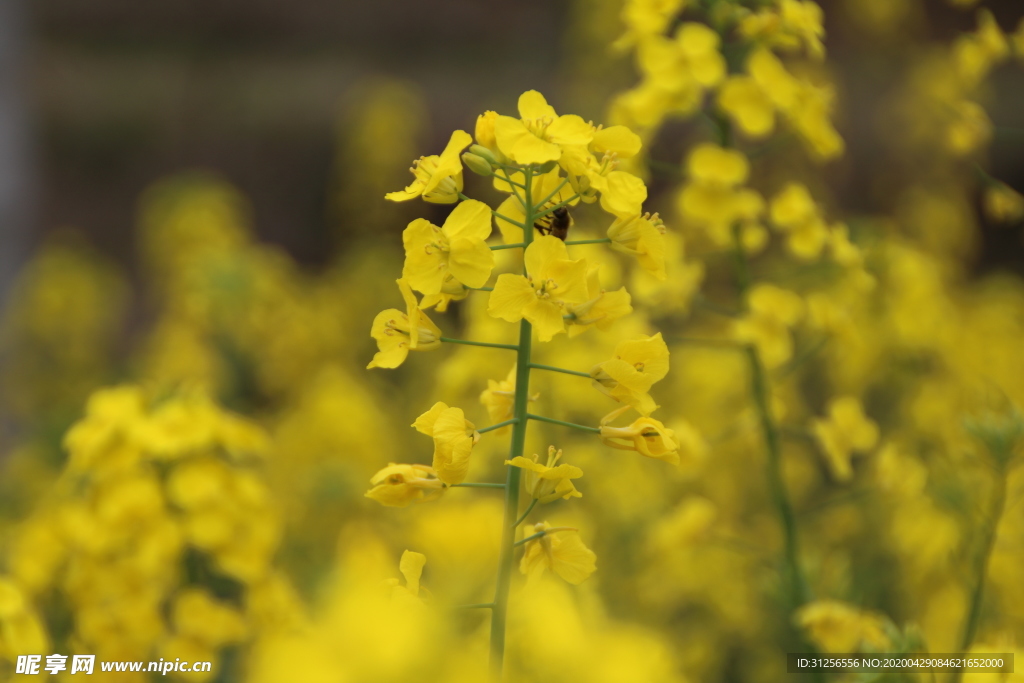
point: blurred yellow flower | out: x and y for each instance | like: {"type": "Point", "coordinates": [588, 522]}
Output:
{"type": "Point", "coordinates": [839, 627]}
{"type": "Point", "coordinates": [637, 365]}
{"type": "Point", "coordinates": [772, 312]}
{"type": "Point", "coordinates": [438, 178]}
{"type": "Point", "coordinates": [458, 249]}
{"type": "Point", "coordinates": [538, 136]}
{"type": "Point", "coordinates": [454, 437]}
{"type": "Point", "coordinates": [552, 281]}
{"type": "Point", "coordinates": [397, 333]}
{"type": "Point", "coordinates": [1003, 204]}
{"type": "Point", "coordinates": [560, 550]}
{"type": "Point", "coordinates": [411, 565]}
{"type": "Point", "coordinates": [401, 485]}
{"type": "Point", "coordinates": [550, 481]}
{"type": "Point", "coordinates": [847, 429]}
{"type": "Point", "coordinates": [795, 214]}
{"type": "Point", "coordinates": [499, 399]}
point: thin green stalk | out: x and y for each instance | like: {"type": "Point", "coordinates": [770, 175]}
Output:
{"type": "Point", "coordinates": [552, 368]}
{"type": "Point", "coordinates": [507, 219]}
{"type": "Point", "coordinates": [489, 345]}
{"type": "Point", "coordinates": [497, 426]}
{"type": "Point", "coordinates": [997, 505]}
{"type": "Point", "coordinates": [480, 289]}
{"type": "Point", "coordinates": [526, 513]}
{"type": "Point", "coordinates": [499, 613]}
{"type": "Point", "coordinates": [532, 537]}
{"type": "Point", "coordinates": [551, 420]}
{"type": "Point", "coordinates": [553, 193]}
{"type": "Point", "coordinates": [603, 240]}
{"type": "Point", "coordinates": [499, 247]}
{"type": "Point", "coordinates": [477, 605]}
{"type": "Point", "coordinates": [554, 208]}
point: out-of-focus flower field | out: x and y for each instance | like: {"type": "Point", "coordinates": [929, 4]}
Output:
{"type": "Point", "coordinates": [826, 399]}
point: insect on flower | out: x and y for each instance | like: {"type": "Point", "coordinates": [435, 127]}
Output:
{"type": "Point", "coordinates": [556, 223]}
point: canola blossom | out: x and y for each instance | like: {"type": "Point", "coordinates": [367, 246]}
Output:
{"type": "Point", "coordinates": [699, 396]}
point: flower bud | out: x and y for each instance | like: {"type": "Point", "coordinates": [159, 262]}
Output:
{"type": "Point", "coordinates": [477, 164]}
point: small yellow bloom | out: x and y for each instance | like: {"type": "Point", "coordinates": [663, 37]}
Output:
{"type": "Point", "coordinates": [1003, 204]}
{"type": "Point", "coordinates": [537, 137]}
{"type": "Point", "coordinates": [773, 311]}
{"type": "Point", "coordinates": [642, 236]}
{"type": "Point", "coordinates": [847, 429]}
{"type": "Point", "coordinates": [397, 333]}
{"type": "Point", "coordinates": [561, 551]}
{"type": "Point", "coordinates": [552, 282]}
{"type": "Point", "coordinates": [454, 437]}
{"type": "Point", "coordinates": [839, 627]}
{"type": "Point", "coordinates": [622, 193]}
{"type": "Point", "coordinates": [794, 213]}
{"type": "Point", "coordinates": [601, 308]}
{"type": "Point", "coordinates": [411, 565]}
{"type": "Point", "coordinates": [451, 290]}
{"type": "Point", "coordinates": [646, 436]}
{"type": "Point", "coordinates": [484, 132]}
{"type": "Point", "coordinates": [401, 485]}
{"type": "Point", "coordinates": [548, 482]}
{"type": "Point", "coordinates": [458, 249]}
{"type": "Point", "coordinates": [438, 179]}
{"type": "Point", "coordinates": [637, 365]}
{"type": "Point", "coordinates": [788, 26]}
{"type": "Point", "coordinates": [747, 103]}
{"type": "Point", "coordinates": [714, 199]}
{"type": "Point", "coordinates": [499, 399]}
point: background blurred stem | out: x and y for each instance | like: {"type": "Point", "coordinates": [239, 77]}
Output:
{"type": "Point", "coordinates": [997, 504]}
{"type": "Point", "coordinates": [508, 528]}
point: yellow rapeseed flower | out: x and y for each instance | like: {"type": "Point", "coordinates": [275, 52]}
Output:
{"type": "Point", "coordinates": [499, 399]}
{"type": "Point", "coordinates": [561, 551]}
{"type": "Point", "coordinates": [846, 430]}
{"type": "Point", "coordinates": [411, 565]}
{"type": "Point", "coordinates": [714, 199]}
{"type": "Point", "coordinates": [772, 312]}
{"type": "Point", "coordinates": [454, 437]}
{"type": "Point", "coordinates": [438, 179]}
{"type": "Point", "coordinates": [645, 435]}
{"type": "Point", "coordinates": [637, 365]}
{"type": "Point", "coordinates": [397, 333]}
{"type": "Point", "coordinates": [538, 135]}
{"type": "Point", "coordinates": [600, 309]}
{"type": "Point", "coordinates": [552, 282]}
{"type": "Point", "coordinates": [1003, 204]}
{"type": "Point", "coordinates": [794, 213]}
{"type": "Point", "coordinates": [836, 626]}
{"type": "Point", "coordinates": [550, 481]}
{"type": "Point", "coordinates": [458, 249]}
{"type": "Point", "coordinates": [642, 236]}
{"type": "Point", "coordinates": [401, 485]}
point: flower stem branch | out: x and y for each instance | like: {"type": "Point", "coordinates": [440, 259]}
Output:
{"type": "Point", "coordinates": [552, 368]}
{"type": "Point", "coordinates": [551, 420]}
{"type": "Point", "coordinates": [526, 513]}
{"type": "Point", "coordinates": [497, 426]}
{"type": "Point", "coordinates": [499, 247]}
{"type": "Point", "coordinates": [489, 345]}
{"type": "Point", "coordinates": [603, 240]}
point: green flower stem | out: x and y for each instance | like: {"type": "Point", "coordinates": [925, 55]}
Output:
{"type": "Point", "coordinates": [477, 485]}
{"type": "Point", "coordinates": [705, 303]}
{"type": "Point", "coordinates": [801, 358]}
{"type": "Point", "coordinates": [996, 507]}
{"type": "Point", "coordinates": [541, 418]}
{"type": "Point", "coordinates": [499, 247]}
{"type": "Point", "coordinates": [507, 219]}
{"type": "Point", "coordinates": [478, 605]}
{"type": "Point", "coordinates": [526, 513]}
{"type": "Point", "coordinates": [554, 208]}
{"type": "Point", "coordinates": [497, 426]}
{"type": "Point", "coordinates": [796, 584]}
{"type": "Point", "coordinates": [489, 345]}
{"type": "Point", "coordinates": [480, 289]}
{"type": "Point", "coordinates": [531, 538]}
{"type": "Point", "coordinates": [499, 613]}
{"type": "Point", "coordinates": [552, 368]}
{"type": "Point", "coordinates": [603, 240]}
{"type": "Point", "coordinates": [552, 195]}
